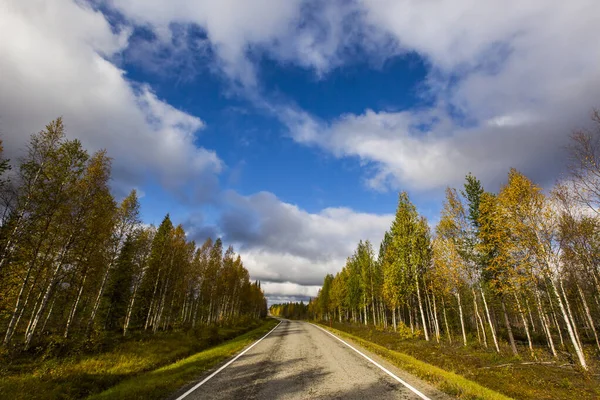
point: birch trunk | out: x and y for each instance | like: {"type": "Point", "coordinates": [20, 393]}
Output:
{"type": "Point", "coordinates": [446, 321]}
{"type": "Point", "coordinates": [421, 309]}
{"type": "Point", "coordinates": [569, 313]}
{"type": "Point", "coordinates": [435, 319]}
{"type": "Point", "coordinates": [511, 338]}
{"type": "Point", "coordinates": [570, 329]}
{"type": "Point", "coordinates": [487, 311]}
{"type": "Point", "coordinates": [525, 325]}
{"type": "Point", "coordinates": [16, 312]}
{"type": "Point", "coordinates": [588, 314]}
{"type": "Point", "coordinates": [479, 319]}
{"type": "Point", "coordinates": [545, 324]}
{"type": "Point", "coordinates": [462, 319]}
{"type": "Point", "coordinates": [74, 307]}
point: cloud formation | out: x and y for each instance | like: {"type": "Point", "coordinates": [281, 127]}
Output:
{"type": "Point", "coordinates": [284, 244]}
{"type": "Point", "coordinates": [56, 63]}
{"type": "Point", "coordinates": [506, 80]}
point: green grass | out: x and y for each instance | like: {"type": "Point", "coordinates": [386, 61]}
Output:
{"type": "Point", "coordinates": [476, 373]}
{"type": "Point", "coordinates": [75, 376]}
{"type": "Point", "coordinates": [162, 382]}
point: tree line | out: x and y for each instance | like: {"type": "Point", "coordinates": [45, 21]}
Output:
{"type": "Point", "coordinates": [520, 266]}
{"type": "Point", "coordinates": [75, 262]}
{"type": "Point", "coordinates": [290, 310]}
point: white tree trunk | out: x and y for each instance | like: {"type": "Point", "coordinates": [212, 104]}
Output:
{"type": "Point", "coordinates": [545, 324]}
{"type": "Point", "coordinates": [487, 311]}
{"type": "Point", "coordinates": [525, 324]}
{"type": "Point", "coordinates": [421, 309]}
{"type": "Point", "coordinates": [574, 339]}
{"type": "Point", "coordinates": [479, 320]}
{"type": "Point", "coordinates": [588, 315]}
{"type": "Point", "coordinates": [462, 319]}
{"type": "Point", "coordinates": [74, 308]}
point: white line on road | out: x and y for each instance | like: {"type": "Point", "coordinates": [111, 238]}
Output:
{"type": "Point", "coordinates": [381, 367]}
{"type": "Point", "coordinates": [226, 365]}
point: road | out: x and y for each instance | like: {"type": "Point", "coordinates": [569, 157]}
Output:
{"type": "Point", "coordinates": [298, 360]}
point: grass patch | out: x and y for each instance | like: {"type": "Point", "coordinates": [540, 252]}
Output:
{"type": "Point", "coordinates": [477, 373]}
{"type": "Point", "coordinates": [77, 376]}
{"type": "Point", "coordinates": [159, 383]}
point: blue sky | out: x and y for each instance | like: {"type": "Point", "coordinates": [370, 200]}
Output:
{"type": "Point", "coordinates": [288, 128]}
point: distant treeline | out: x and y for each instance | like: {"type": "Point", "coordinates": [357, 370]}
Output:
{"type": "Point", "coordinates": [521, 265]}
{"type": "Point", "coordinates": [74, 262]}
{"type": "Point", "coordinates": [290, 310]}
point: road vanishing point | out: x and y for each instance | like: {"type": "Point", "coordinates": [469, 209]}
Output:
{"type": "Point", "coordinates": [299, 360]}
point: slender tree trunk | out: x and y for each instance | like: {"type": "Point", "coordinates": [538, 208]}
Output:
{"type": "Point", "coordinates": [160, 307]}
{"type": "Point", "coordinates": [33, 312]}
{"type": "Point", "coordinates": [421, 309]}
{"type": "Point", "coordinates": [410, 319]}
{"type": "Point", "coordinates": [23, 308]}
{"type": "Point", "coordinates": [394, 319]}
{"type": "Point", "coordinates": [130, 305]}
{"type": "Point", "coordinates": [588, 314]}
{"type": "Point", "coordinates": [74, 307]}
{"type": "Point", "coordinates": [511, 338]}
{"type": "Point", "coordinates": [47, 293]}
{"type": "Point", "coordinates": [49, 314]}
{"type": "Point", "coordinates": [487, 311]}
{"type": "Point", "coordinates": [16, 312]}
{"type": "Point", "coordinates": [99, 296]}
{"type": "Point", "coordinates": [152, 301]}
{"type": "Point", "coordinates": [479, 319]}
{"type": "Point", "coordinates": [525, 325]}
{"type": "Point", "coordinates": [461, 317]}
{"type": "Point", "coordinates": [545, 324]}
{"type": "Point", "coordinates": [570, 329]}
{"type": "Point", "coordinates": [446, 321]}
{"type": "Point", "coordinates": [429, 311]}
{"type": "Point", "coordinates": [530, 314]}
{"type": "Point", "coordinates": [569, 313]}
{"type": "Point", "coordinates": [553, 313]}
{"type": "Point", "coordinates": [435, 319]}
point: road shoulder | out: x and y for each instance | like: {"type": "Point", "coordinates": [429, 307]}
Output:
{"type": "Point", "coordinates": [433, 381]}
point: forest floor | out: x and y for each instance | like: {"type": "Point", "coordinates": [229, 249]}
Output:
{"type": "Point", "coordinates": [518, 377]}
{"type": "Point", "coordinates": [143, 366]}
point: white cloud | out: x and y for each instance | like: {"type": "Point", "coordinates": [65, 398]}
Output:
{"type": "Point", "coordinates": [231, 25]}
{"type": "Point", "coordinates": [290, 249]}
{"type": "Point", "coordinates": [56, 64]}
{"type": "Point", "coordinates": [425, 150]}
{"type": "Point", "coordinates": [509, 82]}
{"type": "Point", "coordinates": [275, 289]}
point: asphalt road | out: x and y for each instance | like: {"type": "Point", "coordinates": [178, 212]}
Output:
{"type": "Point", "coordinates": [300, 361]}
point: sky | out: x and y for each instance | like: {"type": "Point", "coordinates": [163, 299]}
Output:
{"type": "Point", "coordinates": [287, 128]}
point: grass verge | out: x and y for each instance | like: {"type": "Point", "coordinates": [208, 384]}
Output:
{"type": "Point", "coordinates": [448, 382]}
{"type": "Point", "coordinates": [162, 382]}
{"type": "Point", "coordinates": [472, 372]}
{"type": "Point", "coordinates": [78, 375]}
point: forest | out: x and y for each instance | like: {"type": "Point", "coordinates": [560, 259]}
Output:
{"type": "Point", "coordinates": [290, 310]}
{"type": "Point", "coordinates": [520, 266]}
{"type": "Point", "coordinates": [75, 263]}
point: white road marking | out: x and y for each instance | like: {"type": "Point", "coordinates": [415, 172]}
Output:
{"type": "Point", "coordinates": [226, 365]}
{"type": "Point", "coordinates": [381, 367]}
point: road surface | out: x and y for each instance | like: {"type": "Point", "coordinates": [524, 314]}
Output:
{"type": "Point", "coordinates": [298, 360]}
